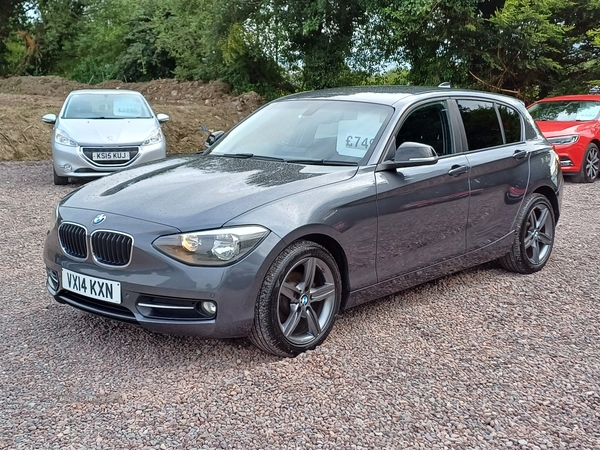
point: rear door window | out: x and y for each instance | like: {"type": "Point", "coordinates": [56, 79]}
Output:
{"type": "Point", "coordinates": [482, 126]}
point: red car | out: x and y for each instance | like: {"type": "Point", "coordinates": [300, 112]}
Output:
{"type": "Point", "coordinates": [572, 124]}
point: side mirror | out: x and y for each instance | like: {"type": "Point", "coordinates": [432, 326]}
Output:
{"type": "Point", "coordinates": [415, 151]}
{"type": "Point", "coordinates": [162, 118]}
{"type": "Point", "coordinates": [213, 138]}
{"type": "Point", "coordinates": [49, 118]}
{"type": "Point", "coordinates": [410, 154]}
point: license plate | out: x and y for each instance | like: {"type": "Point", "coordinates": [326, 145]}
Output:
{"type": "Point", "coordinates": [111, 156]}
{"type": "Point", "coordinates": [106, 290]}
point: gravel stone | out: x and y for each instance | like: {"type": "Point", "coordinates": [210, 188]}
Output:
{"type": "Point", "coordinates": [482, 359]}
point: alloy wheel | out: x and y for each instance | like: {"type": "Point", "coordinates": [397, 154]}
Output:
{"type": "Point", "coordinates": [592, 163]}
{"type": "Point", "coordinates": [539, 235]}
{"type": "Point", "coordinates": [306, 301]}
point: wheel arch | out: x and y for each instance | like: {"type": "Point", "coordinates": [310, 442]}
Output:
{"type": "Point", "coordinates": [336, 250]}
{"type": "Point", "coordinates": [549, 193]}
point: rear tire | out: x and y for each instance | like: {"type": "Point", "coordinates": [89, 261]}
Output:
{"type": "Point", "coordinates": [589, 166]}
{"type": "Point", "coordinates": [59, 181]}
{"type": "Point", "coordinates": [298, 301]}
{"type": "Point", "coordinates": [534, 237]}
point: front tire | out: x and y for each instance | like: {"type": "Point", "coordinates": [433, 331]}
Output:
{"type": "Point", "coordinates": [298, 301]}
{"type": "Point", "coordinates": [589, 166]}
{"type": "Point", "coordinates": [59, 181]}
{"type": "Point", "coordinates": [534, 237]}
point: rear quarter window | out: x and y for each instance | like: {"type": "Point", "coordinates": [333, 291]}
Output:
{"type": "Point", "coordinates": [511, 121]}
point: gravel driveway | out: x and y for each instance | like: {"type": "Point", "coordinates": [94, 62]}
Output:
{"type": "Point", "coordinates": [480, 359]}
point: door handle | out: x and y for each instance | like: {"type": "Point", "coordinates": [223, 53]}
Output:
{"type": "Point", "coordinates": [458, 170]}
{"type": "Point", "coordinates": [519, 154]}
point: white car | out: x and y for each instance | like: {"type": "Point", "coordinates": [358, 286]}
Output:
{"type": "Point", "coordinates": [100, 131]}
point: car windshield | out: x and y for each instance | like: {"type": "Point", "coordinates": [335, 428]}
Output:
{"type": "Point", "coordinates": [565, 111]}
{"type": "Point", "coordinates": [106, 106]}
{"type": "Point", "coordinates": [325, 131]}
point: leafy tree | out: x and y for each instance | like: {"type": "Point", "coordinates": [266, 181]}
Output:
{"type": "Point", "coordinates": [318, 37]}
{"type": "Point", "coordinates": [55, 30]}
{"type": "Point", "coordinates": [580, 57]}
{"type": "Point", "coordinates": [525, 46]}
{"type": "Point", "coordinates": [100, 43]}
{"type": "Point", "coordinates": [520, 47]}
{"type": "Point", "coordinates": [143, 58]}
{"type": "Point", "coordinates": [12, 46]}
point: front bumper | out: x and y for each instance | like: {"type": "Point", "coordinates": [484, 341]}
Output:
{"type": "Point", "coordinates": [161, 294]}
{"type": "Point", "coordinates": [571, 156]}
{"type": "Point", "coordinates": [72, 162]}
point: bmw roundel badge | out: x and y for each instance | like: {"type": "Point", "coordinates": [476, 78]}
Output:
{"type": "Point", "coordinates": [99, 219]}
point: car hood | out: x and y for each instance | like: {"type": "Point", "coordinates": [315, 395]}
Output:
{"type": "Point", "coordinates": [200, 192]}
{"type": "Point", "coordinates": [108, 131]}
{"type": "Point", "coordinates": [552, 128]}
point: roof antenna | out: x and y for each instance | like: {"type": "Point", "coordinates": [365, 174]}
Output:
{"type": "Point", "coordinates": [445, 84]}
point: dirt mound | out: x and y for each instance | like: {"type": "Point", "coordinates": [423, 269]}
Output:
{"type": "Point", "coordinates": [195, 109]}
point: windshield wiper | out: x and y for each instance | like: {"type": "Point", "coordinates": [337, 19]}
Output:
{"type": "Point", "coordinates": [322, 162]}
{"type": "Point", "coordinates": [249, 155]}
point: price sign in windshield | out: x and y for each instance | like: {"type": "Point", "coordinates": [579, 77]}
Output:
{"type": "Point", "coordinates": [358, 142]}
{"type": "Point", "coordinates": [356, 136]}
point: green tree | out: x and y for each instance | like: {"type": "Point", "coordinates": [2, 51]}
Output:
{"type": "Point", "coordinates": [12, 44]}
{"type": "Point", "coordinates": [319, 37]}
{"type": "Point", "coordinates": [143, 58]}
{"type": "Point", "coordinates": [524, 47]}
{"type": "Point", "coordinates": [55, 29]}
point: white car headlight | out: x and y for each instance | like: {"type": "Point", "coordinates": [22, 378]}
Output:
{"type": "Point", "coordinates": [562, 140]}
{"type": "Point", "coordinates": [212, 247]}
{"type": "Point", "coordinates": [60, 137]}
{"type": "Point", "coordinates": [155, 137]}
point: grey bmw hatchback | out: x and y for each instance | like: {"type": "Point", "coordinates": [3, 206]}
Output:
{"type": "Point", "coordinates": [314, 204]}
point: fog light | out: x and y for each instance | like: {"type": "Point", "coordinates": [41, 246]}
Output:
{"type": "Point", "coordinates": [67, 167]}
{"type": "Point", "coordinates": [209, 308]}
{"type": "Point", "coordinates": [565, 162]}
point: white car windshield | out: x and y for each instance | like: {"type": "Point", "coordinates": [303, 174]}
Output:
{"type": "Point", "coordinates": [308, 130]}
{"type": "Point", "coordinates": [106, 106]}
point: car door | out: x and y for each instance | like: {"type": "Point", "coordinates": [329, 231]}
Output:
{"type": "Point", "coordinates": [498, 156]}
{"type": "Point", "coordinates": [422, 211]}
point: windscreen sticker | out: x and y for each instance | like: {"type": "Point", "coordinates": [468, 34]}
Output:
{"type": "Point", "coordinates": [127, 108]}
{"type": "Point", "coordinates": [356, 136]}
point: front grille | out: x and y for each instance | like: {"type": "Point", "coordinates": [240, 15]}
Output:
{"type": "Point", "coordinates": [111, 248]}
{"type": "Point", "coordinates": [73, 240]}
{"type": "Point", "coordinates": [88, 151]}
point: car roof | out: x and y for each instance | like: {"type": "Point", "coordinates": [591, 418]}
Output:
{"type": "Point", "coordinates": [578, 97]}
{"type": "Point", "coordinates": [104, 91]}
{"type": "Point", "coordinates": [388, 95]}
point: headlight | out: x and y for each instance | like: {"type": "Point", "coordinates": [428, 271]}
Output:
{"type": "Point", "coordinates": [561, 140]}
{"type": "Point", "coordinates": [155, 137]}
{"type": "Point", "coordinates": [212, 247]}
{"type": "Point", "coordinates": [60, 137]}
